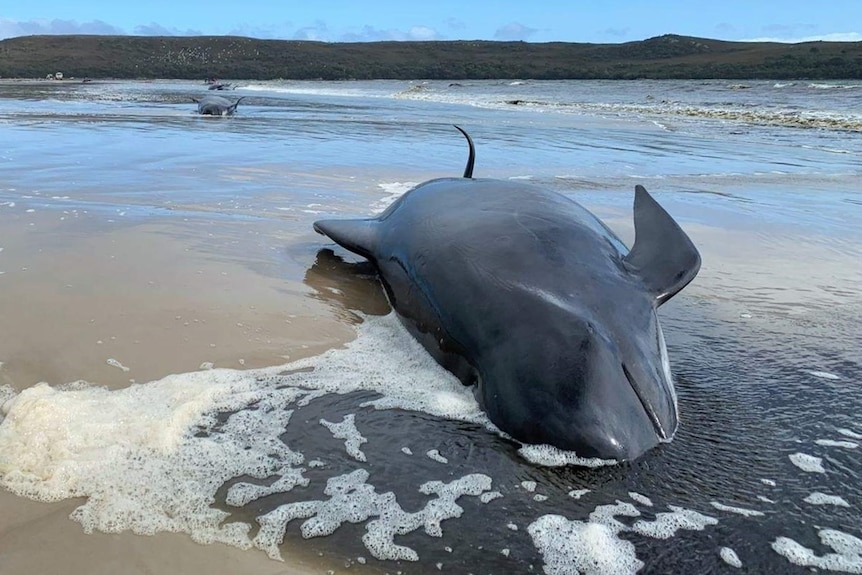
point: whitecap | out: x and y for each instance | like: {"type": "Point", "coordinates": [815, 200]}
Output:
{"type": "Point", "coordinates": [807, 463]}
{"type": "Point", "coordinates": [832, 443]}
{"type": "Point", "coordinates": [849, 433]}
{"type": "Point", "coordinates": [818, 498]}
{"type": "Point", "coordinates": [822, 374]}
{"type": "Point", "coordinates": [738, 510]}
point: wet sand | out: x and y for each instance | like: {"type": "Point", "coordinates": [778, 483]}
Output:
{"type": "Point", "coordinates": [149, 297]}
{"type": "Point", "coordinates": [153, 297]}
{"type": "Point", "coordinates": [28, 529]}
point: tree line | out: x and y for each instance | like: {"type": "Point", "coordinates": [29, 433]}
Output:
{"type": "Point", "coordinates": [193, 57]}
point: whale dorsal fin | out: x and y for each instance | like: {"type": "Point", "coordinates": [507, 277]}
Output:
{"type": "Point", "coordinates": [471, 157]}
{"type": "Point", "coordinates": [358, 236]}
{"type": "Point", "coordinates": [235, 104]}
{"type": "Point", "coordinates": [663, 256]}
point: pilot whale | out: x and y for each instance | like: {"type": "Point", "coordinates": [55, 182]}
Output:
{"type": "Point", "coordinates": [527, 295]}
{"type": "Point", "coordinates": [216, 105]}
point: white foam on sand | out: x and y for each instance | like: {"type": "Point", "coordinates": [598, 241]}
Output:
{"type": "Point", "coordinates": [490, 496]}
{"type": "Point", "coordinates": [572, 547]}
{"type": "Point", "coordinates": [666, 525]}
{"type": "Point", "coordinates": [435, 455]}
{"type": "Point", "coordinates": [115, 363]}
{"type": "Point", "coordinates": [578, 547]}
{"type": "Point", "coordinates": [151, 457]}
{"type": "Point", "coordinates": [642, 499]}
{"type": "Point", "coordinates": [550, 456]}
{"type": "Point", "coordinates": [6, 394]}
{"type": "Point", "coordinates": [818, 498]}
{"type": "Point", "coordinates": [807, 463]}
{"type": "Point", "coordinates": [347, 431]}
{"type": "Point", "coordinates": [847, 556]}
{"type": "Point", "coordinates": [133, 452]}
{"type": "Point", "coordinates": [353, 500]}
{"type": "Point", "coordinates": [730, 557]}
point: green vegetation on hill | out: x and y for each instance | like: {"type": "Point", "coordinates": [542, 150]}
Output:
{"type": "Point", "coordinates": [196, 57]}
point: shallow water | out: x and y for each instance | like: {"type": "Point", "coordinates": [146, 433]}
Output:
{"type": "Point", "coordinates": [133, 230]}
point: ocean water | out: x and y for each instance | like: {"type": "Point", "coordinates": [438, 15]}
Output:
{"type": "Point", "coordinates": [214, 369]}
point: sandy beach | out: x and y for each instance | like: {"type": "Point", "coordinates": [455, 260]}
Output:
{"type": "Point", "coordinates": [150, 299]}
{"type": "Point", "coordinates": [151, 252]}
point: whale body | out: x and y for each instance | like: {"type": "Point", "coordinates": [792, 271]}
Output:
{"type": "Point", "coordinates": [525, 294]}
{"type": "Point", "coordinates": [216, 105]}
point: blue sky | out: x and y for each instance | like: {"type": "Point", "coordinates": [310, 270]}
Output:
{"type": "Point", "coordinates": [530, 20]}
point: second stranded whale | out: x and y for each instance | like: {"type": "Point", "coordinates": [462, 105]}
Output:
{"type": "Point", "coordinates": [216, 105]}
{"type": "Point", "coordinates": [525, 294]}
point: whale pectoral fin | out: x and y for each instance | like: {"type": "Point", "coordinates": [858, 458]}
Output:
{"type": "Point", "coordinates": [358, 236]}
{"type": "Point", "coordinates": [663, 256]}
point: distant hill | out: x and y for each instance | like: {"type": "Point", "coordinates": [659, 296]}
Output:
{"type": "Point", "coordinates": [198, 57]}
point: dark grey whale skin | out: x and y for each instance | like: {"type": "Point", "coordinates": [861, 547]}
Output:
{"type": "Point", "coordinates": [527, 295]}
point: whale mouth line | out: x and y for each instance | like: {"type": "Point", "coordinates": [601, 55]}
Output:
{"type": "Point", "coordinates": [653, 416]}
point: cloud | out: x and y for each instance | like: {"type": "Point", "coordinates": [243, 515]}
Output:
{"type": "Point", "coordinates": [286, 30]}
{"type": "Point", "coordinates": [319, 31]}
{"type": "Point", "coordinates": [788, 28]}
{"type": "Point", "coordinates": [422, 33]}
{"type": "Point", "coordinates": [154, 29]}
{"type": "Point", "coordinates": [372, 34]}
{"type": "Point", "coordinates": [514, 31]}
{"type": "Point", "coordinates": [833, 37]}
{"type": "Point", "coordinates": [13, 28]}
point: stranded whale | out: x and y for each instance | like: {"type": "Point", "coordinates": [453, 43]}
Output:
{"type": "Point", "coordinates": [527, 295]}
{"type": "Point", "coordinates": [216, 105]}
